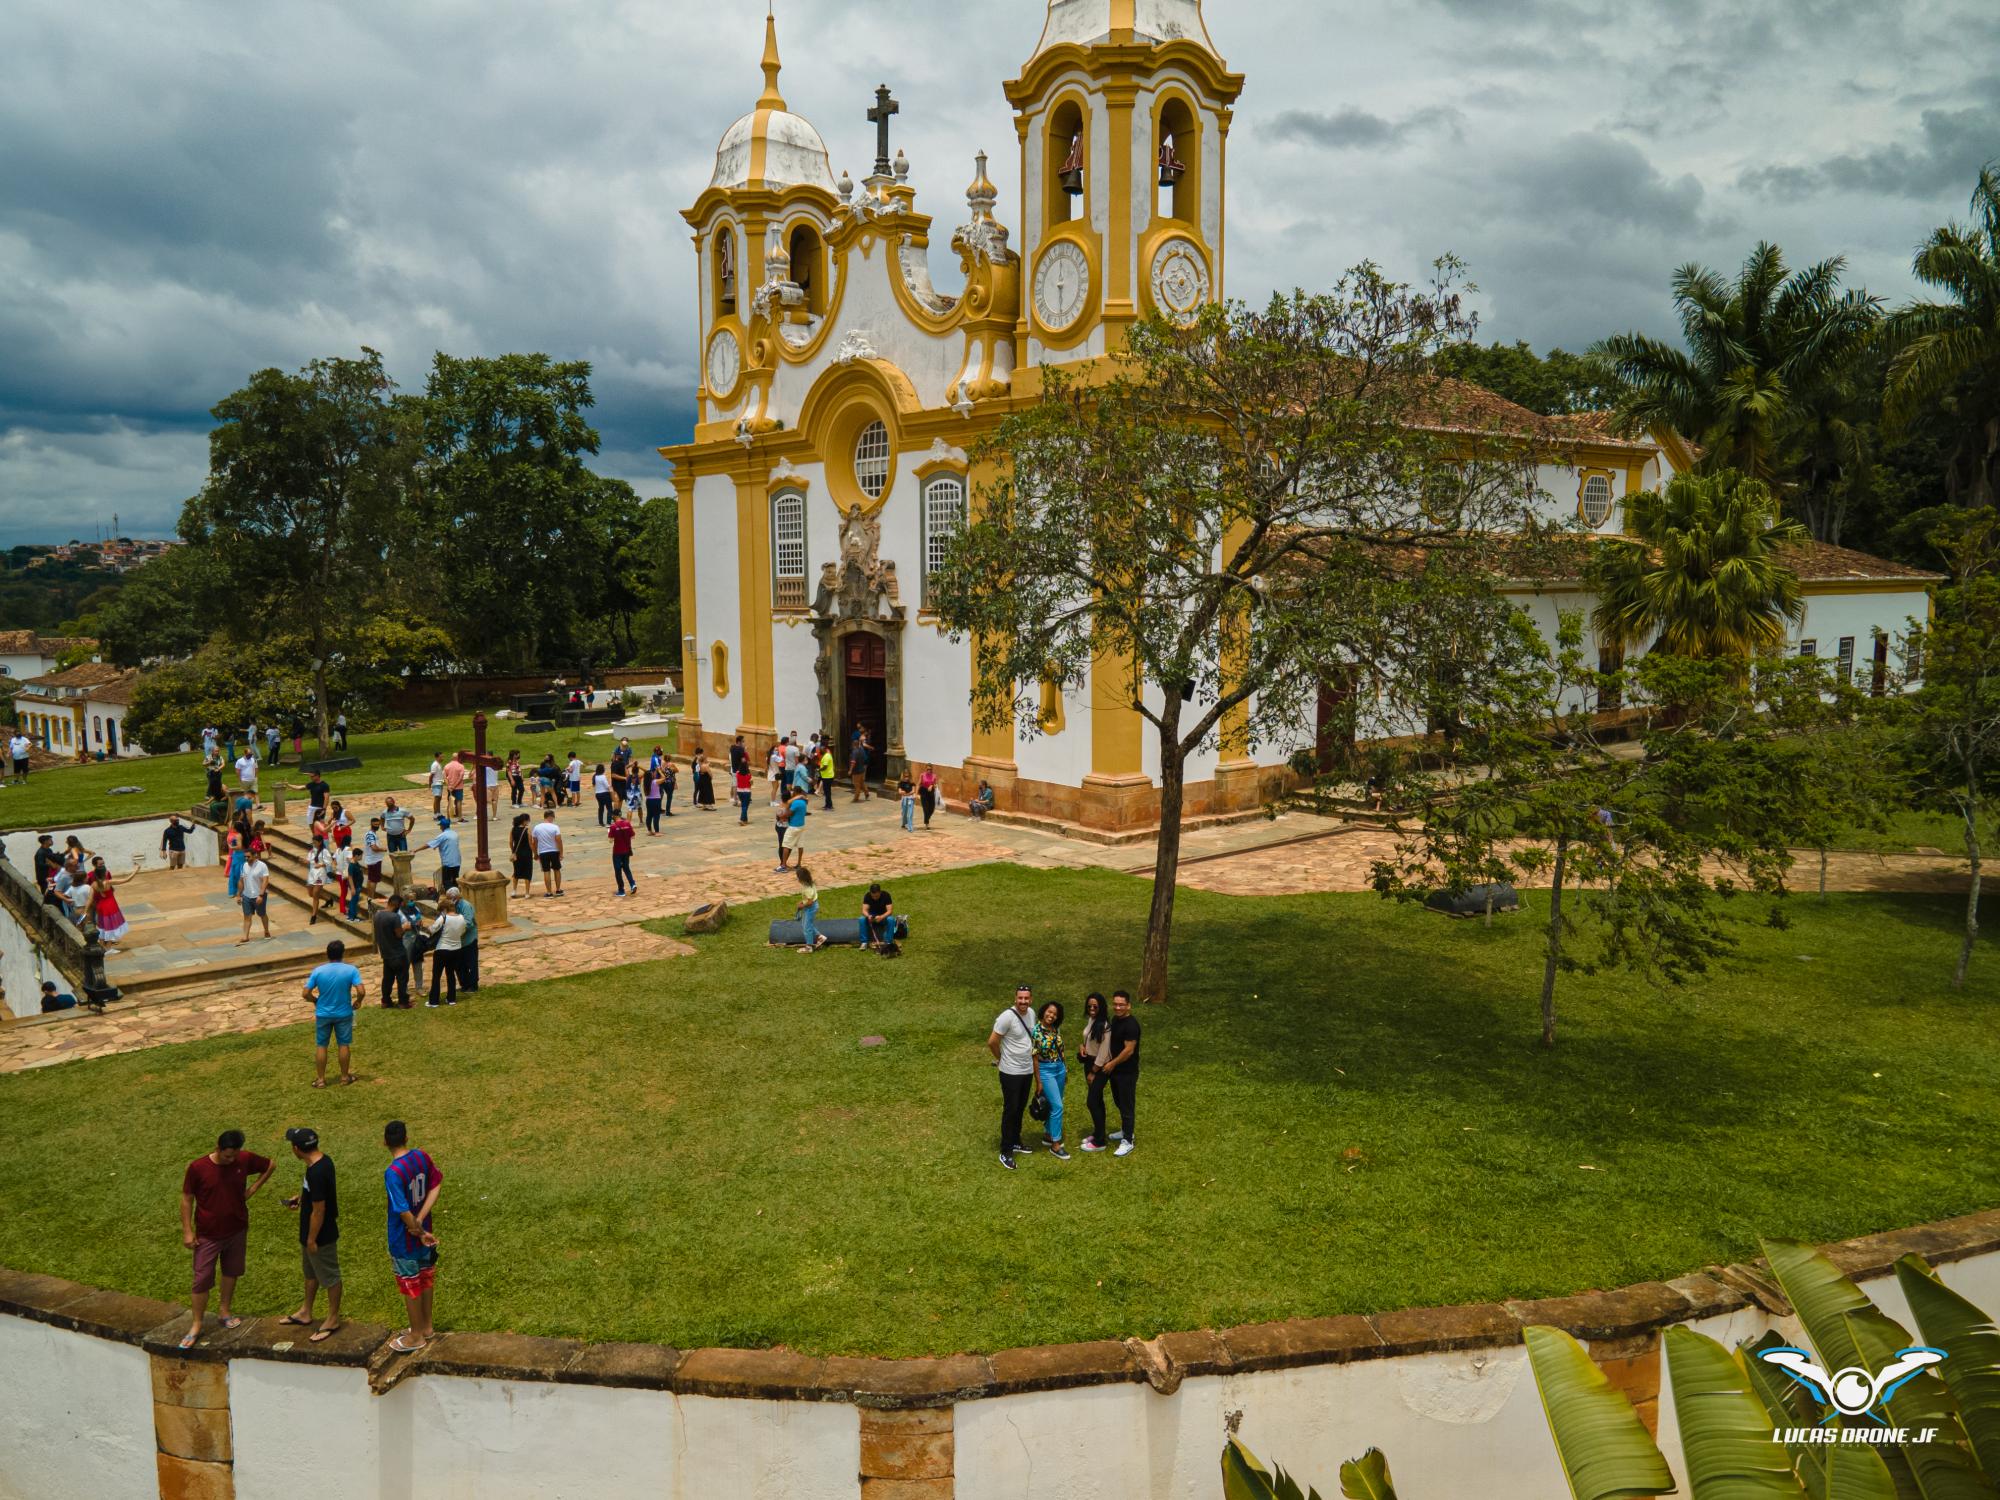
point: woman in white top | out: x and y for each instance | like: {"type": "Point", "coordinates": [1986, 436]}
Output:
{"type": "Point", "coordinates": [449, 930]}
{"type": "Point", "coordinates": [321, 872]}
{"type": "Point", "coordinates": [601, 784]}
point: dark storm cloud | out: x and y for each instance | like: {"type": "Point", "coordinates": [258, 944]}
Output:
{"type": "Point", "coordinates": [1349, 126]}
{"type": "Point", "coordinates": [1950, 148]}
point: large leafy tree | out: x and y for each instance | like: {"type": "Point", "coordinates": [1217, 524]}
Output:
{"type": "Point", "coordinates": [307, 473]}
{"type": "Point", "coordinates": [1555, 384]}
{"type": "Point", "coordinates": [523, 531]}
{"type": "Point", "coordinates": [1231, 514]}
{"type": "Point", "coordinates": [166, 609]}
{"type": "Point", "coordinates": [1947, 352]}
{"type": "Point", "coordinates": [1702, 574]}
{"type": "Point", "coordinates": [1757, 354]}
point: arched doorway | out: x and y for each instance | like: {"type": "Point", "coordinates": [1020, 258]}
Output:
{"type": "Point", "coordinates": [865, 692]}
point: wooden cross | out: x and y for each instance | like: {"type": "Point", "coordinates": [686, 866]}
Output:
{"type": "Point", "coordinates": [879, 118]}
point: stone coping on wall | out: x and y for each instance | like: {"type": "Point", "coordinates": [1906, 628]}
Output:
{"type": "Point", "coordinates": [904, 1384]}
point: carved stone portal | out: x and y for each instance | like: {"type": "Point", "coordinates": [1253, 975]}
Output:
{"type": "Point", "coordinates": [857, 621]}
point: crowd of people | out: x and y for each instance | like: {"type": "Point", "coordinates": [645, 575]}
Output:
{"type": "Point", "coordinates": [80, 885]}
{"type": "Point", "coordinates": [216, 1189]}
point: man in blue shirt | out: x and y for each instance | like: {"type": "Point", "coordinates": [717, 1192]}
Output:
{"type": "Point", "coordinates": [468, 947]}
{"type": "Point", "coordinates": [334, 988]}
{"type": "Point", "coordinates": [793, 851]}
{"type": "Point", "coordinates": [396, 823]}
{"type": "Point", "coordinates": [446, 844]}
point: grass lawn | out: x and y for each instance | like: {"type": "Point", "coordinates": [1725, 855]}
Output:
{"type": "Point", "coordinates": [1909, 830]}
{"type": "Point", "coordinates": [1344, 1109]}
{"type": "Point", "coordinates": [81, 794]}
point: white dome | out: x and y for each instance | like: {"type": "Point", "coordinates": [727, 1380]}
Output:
{"type": "Point", "coordinates": [1089, 21]}
{"type": "Point", "coordinates": [792, 153]}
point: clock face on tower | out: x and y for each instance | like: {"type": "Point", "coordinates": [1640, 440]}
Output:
{"type": "Point", "coordinates": [1062, 285]}
{"type": "Point", "coordinates": [725, 362]}
{"type": "Point", "coordinates": [1180, 280]}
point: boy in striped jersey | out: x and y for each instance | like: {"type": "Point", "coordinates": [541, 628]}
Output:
{"type": "Point", "coordinates": [413, 1181]}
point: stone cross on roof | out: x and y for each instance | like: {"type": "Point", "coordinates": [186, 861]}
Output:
{"type": "Point", "coordinates": [879, 118]}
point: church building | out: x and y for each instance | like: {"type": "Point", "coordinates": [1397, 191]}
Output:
{"type": "Point", "coordinates": [841, 394]}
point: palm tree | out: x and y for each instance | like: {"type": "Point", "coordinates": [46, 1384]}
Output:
{"type": "Point", "coordinates": [1701, 575]}
{"type": "Point", "coordinates": [1949, 352]}
{"type": "Point", "coordinates": [1755, 350]}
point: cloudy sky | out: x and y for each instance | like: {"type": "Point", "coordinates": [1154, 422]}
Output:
{"type": "Point", "coordinates": [190, 192]}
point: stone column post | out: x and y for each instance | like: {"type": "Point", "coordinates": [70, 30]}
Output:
{"type": "Point", "coordinates": [401, 859]}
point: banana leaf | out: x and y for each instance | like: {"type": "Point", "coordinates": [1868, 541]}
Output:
{"type": "Point", "coordinates": [1725, 1431]}
{"type": "Point", "coordinates": [1604, 1450]}
{"type": "Point", "coordinates": [1971, 1342]}
{"type": "Point", "coordinates": [1367, 1477]}
{"type": "Point", "coordinates": [1846, 1329]}
{"type": "Point", "coordinates": [1858, 1474]}
{"type": "Point", "coordinates": [1243, 1478]}
{"type": "Point", "coordinates": [1788, 1405]}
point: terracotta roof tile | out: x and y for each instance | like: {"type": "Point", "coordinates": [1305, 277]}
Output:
{"type": "Point", "coordinates": [89, 674]}
{"type": "Point", "coordinates": [1821, 562]}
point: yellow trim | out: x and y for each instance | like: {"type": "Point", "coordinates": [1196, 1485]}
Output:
{"type": "Point", "coordinates": [1235, 741]}
{"type": "Point", "coordinates": [1583, 478]}
{"type": "Point", "coordinates": [1635, 478]}
{"type": "Point", "coordinates": [771, 98]}
{"type": "Point", "coordinates": [1050, 714]}
{"type": "Point", "coordinates": [1077, 233]}
{"type": "Point", "coordinates": [996, 743]}
{"type": "Point", "coordinates": [753, 597]}
{"type": "Point", "coordinates": [726, 397]}
{"type": "Point", "coordinates": [718, 669]}
{"type": "Point", "coordinates": [1190, 183]}
{"type": "Point", "coordinates": [1117, 747]}
{"type": "Point", "coordinates": [1114, 60]}
{"type": "Point", "coordinates": [1868, 586]}
{"type": "Point", "coordinates": [923, 472]}
{"type": "Point", "coordinates": [1118, 304]}
{"type": "Point", "coordinates": [1150, 245]}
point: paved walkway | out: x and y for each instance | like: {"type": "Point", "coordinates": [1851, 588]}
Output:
{"type": "Point", "coordinates": [705, 856]}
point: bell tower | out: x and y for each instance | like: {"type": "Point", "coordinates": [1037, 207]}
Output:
{"type": "Point", "coordinates": [1123, 113]}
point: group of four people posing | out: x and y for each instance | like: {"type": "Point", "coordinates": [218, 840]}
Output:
{"type": "Point", "coordinates": [1034, 1072]}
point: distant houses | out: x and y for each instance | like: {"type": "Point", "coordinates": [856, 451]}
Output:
{"type": "Point", "coordinates": [79, 712]}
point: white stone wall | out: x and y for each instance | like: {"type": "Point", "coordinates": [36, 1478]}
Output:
{"type": "Point", "coordinates": [117, 842]}
{"type": "Point", "coordinates": [76, 1416]}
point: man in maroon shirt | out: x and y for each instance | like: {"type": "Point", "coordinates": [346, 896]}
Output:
{"type": "Point", "coordinates": [620, 833]}
{"type": "Point", "coordinates": [215, 1221]}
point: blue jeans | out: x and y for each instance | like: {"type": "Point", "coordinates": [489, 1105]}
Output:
{"type": "Point", "coordinates": [909, 814]}
{"type": "Point", "coordinates": [621, 871]}
{"type": "Point", "coordinates": [1054, 1076]}
{"type": "Point", "coordinates": [399, 843]}
{"type": "Point", "coordinates": [235, 869]}
{"type": "Point", "coordinates": [743, 801]}
{"type": "Point", "coordinates": [809, 919]}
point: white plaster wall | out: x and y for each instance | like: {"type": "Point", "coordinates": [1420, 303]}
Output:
{"type": "Point", "coordinates": [867, 304]}
{"type": "Point", "coordinates": [937, 696]}
{"type": "Point", "coordinates": [117, 842]}
{"type": "Point", "coordinates": [272, 1407]}
{"type": "Point", "coordinates": [78, 1416]}
{"type": "Point", "coordinates": [1062, 758]}
{"type": "Point", "coordinates": [1828, 617]}
{"type": "Point", "coordinates": [22, 970]}
{"type": "Point", "coordinates": [717, 596]}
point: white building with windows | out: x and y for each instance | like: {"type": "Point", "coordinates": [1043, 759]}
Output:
{"type": "Point", "coordinates": [841, 394]}
{"type": "Point", "coordinates": [79, 712]}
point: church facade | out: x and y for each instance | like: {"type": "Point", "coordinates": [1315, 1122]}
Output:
{"type": "Point", "coordinates": [842, 395]}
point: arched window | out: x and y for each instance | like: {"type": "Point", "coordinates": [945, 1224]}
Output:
{"type": "Point", "coordinates": [944, 518]}
{"type": "Point", "coordinates": [1595, 500]}
{"type": "Point", "coordinates": [871, 460]}
{"type": "Point", "coordinates": [1178, 155]}
{"type": "Point", "coordinates": [725, 271]}
{"type": "Point", "coordinates": [809, 267]}
{"type": "Point", "coordinates": [788, 549]}
{"type": "Point", "coordinates": [97, 728]}
{"type": "Point", "coordinates": [1068, 163]}
{"type": "Point", "coordinates": [718, 669]}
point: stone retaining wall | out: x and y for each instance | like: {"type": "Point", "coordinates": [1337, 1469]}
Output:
{"type": "Point", "coordinates": [95, 1399]}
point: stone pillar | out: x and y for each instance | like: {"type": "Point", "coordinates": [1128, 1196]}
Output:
{"type": "Point", "coordinates": [907, 1455]}
{"type": "Point", "coordinates": [487, 891]}
{"type": "Point", "coordinates": [278, 802]}
{"type": "Point", "coordinates": [1236, 785]}
{"type": "Point", "coordinates": [191, 1425]}
{"type": "Point", "coordinates": [401, 859]}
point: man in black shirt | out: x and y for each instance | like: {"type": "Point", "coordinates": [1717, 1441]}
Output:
{"type": "Point", "coordinates": [47, 861]}
{"type": "Point", "coordinates": [1121, 1070]}
{"type": "Point", "coordinates": [878, 925]}
{"type": "Point", "coordinates": [174, 842]}
{"type": "Point", "coordinates": [318, 1204]}
{"type": "Point", "coordinates": [390, 927]}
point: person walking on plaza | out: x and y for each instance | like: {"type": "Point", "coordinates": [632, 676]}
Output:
{"type": "Point", "coordinates": [575, 771]}
{"type": "Point", "coordinates": [396, 824]}
{"type": "Point", "coordinates": [774, 768]}
{"type": "Point", "coordinates": [413, 1182]}
{"type": "Point", "coordinates": [620, 834]}
{"type": "Point", "coordinates": [807, 911]}
{"type": "Point", "coordinates": [352, 875]}
{"type": "Point", "coordinates": [448, 927]}
{"type": "Point", "coordinates": [670, 779]}
{"type": "Point", "coordinates": [454, 784]}
{"type": "Point", "coordinates": [906, 796]}
{"type": "Point", "coordinates": [654, 787]}
{"type": "Point", "coordinates": [318, 1203]}
{"type": "Point", "coordinates": [437, 784]}
{"type": "Point", "coordinates": [321, 872]}
{"type": "Point", "coordinates": [744, 787]}
{"type": "Point", "coordinates": [826, 775]}
{"type": "Point", "coordinates": [174, 842]}
{"type": "Point", "coordinates": [334, 988]}
{"type": "Point", "coordinates": [517, 784]}
{"type": "Point", "coordinates": [857, 765]}
{"type": "Point", "coordinates": [548, 842]}
{"type": "Point", "coordinates": [600, 785]}
{"type": "Point", "coordinates": [703, 792]}
{"type": "Point", "coordinates": [739, 755]}
{"type": "Point", "coordinates": [215, 1223]}
{"type": "Point", "coordinates": [246, 774]}
{"type": "Point", "coordinates": [927, 788]}
{"type": "Point", "coordinates": [1121, 1070]}
{"type": "Point", "coordinates": [468, 948]}
{"type": "Point", "coordinates": [449, 857]}
{"type": "Point", "coordinates": [253, 891]}
{"type": "Point", "coordinates": [388, 925]}
{"type": "Point", "coordinates": [1051, 1074]}
{"type": "Point", "coordinates": [1012, 1044]}
{"type": "Point", "coordinates": [521, 853]}
{"type": "Point", "coordinates": [792, 850]}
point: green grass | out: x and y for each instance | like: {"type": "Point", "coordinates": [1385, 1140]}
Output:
{"type": "Point", "coordinates": [1908, 830]}
{"type": "Point", "coordinates": [81, 794]}
{"type": "Point", "coordinates": [1344, 1109]}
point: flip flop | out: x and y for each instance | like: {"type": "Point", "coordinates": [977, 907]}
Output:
{"type": "Point", "coordinates": [347, 1078]}
{"type": "Point", "coordinates": [293, 1320]}
{"type": "Point", "coordinates": [319, 1083]}
{"type": "Point", "coordinates": [323, 1334]}
{"type": "Point", "coordinates": [232, 1321]}
{"type": "Point", "coordinates": [188, 1340]}
{"type": "Point", "coordinates": [400, 1347]}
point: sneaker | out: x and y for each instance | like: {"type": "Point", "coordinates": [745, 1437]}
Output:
{"type": "Point", "coordinates": [432, 1004]}
{"type": "Point", "coordinates": [1058, 1153]}
{"type": "Point", "coordinates": [1024, 1149]}
{"type": "Point", "coordinates": [1124, 1149]}
{"type": "Point", "coordinates": [1089, 1144]}
{"type": "Point", "coordinates": [1117, 1135]}
{"type": "Point", "coordinates": [1121, 1150]}
{"type": "Point", "coordinates": [1006, 1161]}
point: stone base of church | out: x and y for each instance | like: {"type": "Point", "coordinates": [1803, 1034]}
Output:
{"type": "Point", "coordinates": [1118, 804]}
